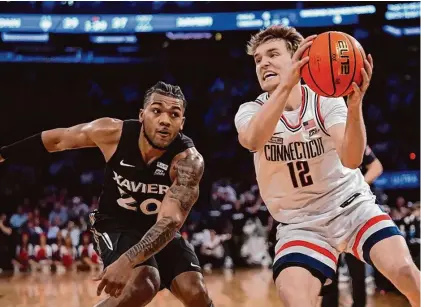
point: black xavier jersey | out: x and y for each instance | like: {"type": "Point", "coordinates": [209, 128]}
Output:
{"type": "Point", "coordinates": [133, 191]}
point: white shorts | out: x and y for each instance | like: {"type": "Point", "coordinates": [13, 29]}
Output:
{"type": "Point", "coordinates": [316, 245]}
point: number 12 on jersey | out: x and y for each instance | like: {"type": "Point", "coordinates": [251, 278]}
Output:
{"type": "Point", "coordinates": [301, 167]}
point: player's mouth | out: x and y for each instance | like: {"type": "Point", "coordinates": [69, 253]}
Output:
{"type": "Point", "coordinates": [163, 133]}
{"type": "Point", "coordinates": [269, 75]}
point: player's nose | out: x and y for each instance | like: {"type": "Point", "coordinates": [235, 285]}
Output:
{"type": "Point", "coordinates": [164, 120]}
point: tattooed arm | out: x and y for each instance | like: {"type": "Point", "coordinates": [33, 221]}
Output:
{"type": "Point", "coordinates": [187, 170]}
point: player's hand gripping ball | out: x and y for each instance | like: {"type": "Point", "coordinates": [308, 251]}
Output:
{"type": "Point", "coordinates": [336, 61]}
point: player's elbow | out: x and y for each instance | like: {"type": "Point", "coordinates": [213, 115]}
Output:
{"type": "Point", "coordinates": [53, 140]}
{"type": "Point", "coordinates": [249, 142]}
{"type": "Point", "coordinates": [352, 164]}
{"type": "Point", "coordinates": [174, 221]}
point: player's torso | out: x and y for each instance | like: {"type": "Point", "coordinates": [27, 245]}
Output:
{"type": "Point", "coordinates": [299, 164]}
{"type": "Point", "coordinates": [133, 190]}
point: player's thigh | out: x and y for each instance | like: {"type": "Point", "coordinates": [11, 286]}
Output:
{"type": "Point", "coordinates": [297, 286]}
{"type": "Point", "coordinates": [176, 259]}
{"type": "Point", "coordinates": [392, 258]}
{"type": "Point", "coordinates": [304, 262]}
{"type": "Point", "coordinates": [371, 226]}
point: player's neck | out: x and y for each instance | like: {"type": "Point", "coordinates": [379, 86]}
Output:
{"type": "Point", "coordinates": [294, 99]}
{"type": "Point", "coordinates": [149, 153]}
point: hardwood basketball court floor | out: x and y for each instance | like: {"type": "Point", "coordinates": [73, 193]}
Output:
{"type": "Point", "coordinates": [246, 288]}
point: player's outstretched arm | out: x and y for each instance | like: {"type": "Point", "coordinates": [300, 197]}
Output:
{"type": "Point", "coordinates": [80, 136]}
{"type": "Point", "coordinates": [187, 168]}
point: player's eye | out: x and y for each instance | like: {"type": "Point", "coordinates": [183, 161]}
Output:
{"type": "Point", "coordinates": [274, 55]}
{"type": "Point", "coordinates": [156, 111]}
{"type": "Point", "coordinates": [175, 115]}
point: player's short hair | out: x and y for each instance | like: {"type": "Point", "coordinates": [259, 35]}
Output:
{"type": "Point", "coordinates": [165, 89]}
{"type": "Point", "coordinates": [290, 35]}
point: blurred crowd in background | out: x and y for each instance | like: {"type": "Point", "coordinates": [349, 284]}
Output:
{"type": "Point", "coordinates": [45, 204]}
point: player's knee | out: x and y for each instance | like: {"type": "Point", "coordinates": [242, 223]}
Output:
{"type": "Point", "coordinates": [407, 272]}
{"type": "Point", "coordinates": [146, 286]}
{"type": "Point", "coordinates": [196, 294]}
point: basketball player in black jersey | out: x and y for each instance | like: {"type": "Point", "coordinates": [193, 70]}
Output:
{"type": "Point", "coordinates": [151, 182]}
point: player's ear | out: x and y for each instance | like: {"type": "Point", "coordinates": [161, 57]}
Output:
{"type": "Point", "coordinates": [141, 112]}
{"type": "Point", "coordinates": [182, 123]}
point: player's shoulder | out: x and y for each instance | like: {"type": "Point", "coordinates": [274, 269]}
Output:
{"type": "Point", "coordinates": [253, 105]}
{"type": "Point", "coordinates": [105, 129]}
{"type": "Point", "coordinates": [106, 124]}
{"type": "Point", "coordinates": [189, 160]}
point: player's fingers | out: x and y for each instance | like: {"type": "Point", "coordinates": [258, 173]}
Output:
{"type": "Point", "coordinates": [109, 287]}
{"type": "Point", "coordinates": [308, 38]}
{"type": "Point", "coordinates": [366, 80]}
{"type": "Point", "coordinates": [99, 277]}
{"type": "Point", "coordinates": [356, 88]}
{"type": "Point", "coordinates": [370, 60]}
{"type": "Point", "coordinates": [118, 292]}
{"type": "Point", "coordinates": [368, 69]}
{"type": "Point", "coordinates": [113, 290]}
{"type": "Point", "coordinates": [300, 51]}
{"type": "Point", "coordinates": [101, 286]}
{"type": "Point", "coordinates": [302, 62]}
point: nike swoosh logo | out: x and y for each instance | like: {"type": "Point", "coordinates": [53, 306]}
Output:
{"type": "Point", "coordinates": [124, 164]}
{"type": "Point", "coordinates": [277, 133]}
{"type": "Point", "coordinates": [195, 265]}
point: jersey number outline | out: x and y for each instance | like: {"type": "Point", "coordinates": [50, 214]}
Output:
{"type": "Point", "coordinates": [127, 203]}
{"type": "Point", "coordinates": [303, 173]}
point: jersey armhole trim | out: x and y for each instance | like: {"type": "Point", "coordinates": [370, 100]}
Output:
{"type": "Point", "coordinates": [319, 117]}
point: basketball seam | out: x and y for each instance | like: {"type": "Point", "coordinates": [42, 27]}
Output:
{"type": "Point", "coordinates": [331, 67]}
{"type": "Point", "coordinates": [355, 65]}
{"type": "Point", "coordinates": [311, 75]}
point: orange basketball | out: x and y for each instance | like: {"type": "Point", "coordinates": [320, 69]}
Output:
{"type": "Point", "coordinates": [336, 59]}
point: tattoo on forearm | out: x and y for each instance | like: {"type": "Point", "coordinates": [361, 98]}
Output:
{"type": "Point", "coordinates": [185, 192]}
{"type": "Point", "coordinates": [186, 186]}
{"type": "Point", "coordinates": [153, 241]}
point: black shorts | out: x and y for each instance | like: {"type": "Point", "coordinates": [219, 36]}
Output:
{"type": "Point", "coordinates": [175, 258]}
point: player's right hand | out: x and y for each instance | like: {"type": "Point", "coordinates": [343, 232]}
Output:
{"type": "Point", "coordinates": [293, 75]}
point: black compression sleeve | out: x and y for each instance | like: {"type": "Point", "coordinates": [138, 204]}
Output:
{"type": "Point", "coordinates": [31, 147]}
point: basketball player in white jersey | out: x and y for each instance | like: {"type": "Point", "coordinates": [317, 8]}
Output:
{"type": "Point", "coordinates": [307, 150]}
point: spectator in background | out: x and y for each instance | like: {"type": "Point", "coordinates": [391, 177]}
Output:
{"type": "Point", "coordinates": [43, 253]}
{"type": "Point", "coordinates": [73, 231]}
{"type": "Point", "coordinates": [53, 229]}
{"type": "Point", "coordinates": [89, 259]}
{"type": "Point", "coordinates": [68, 253]}
{"type": "Point", "coordinates": [24, 251]}
{"type": "Point", "coordinates": [19, 218]}
{"type": "Point", "coordinates": [213, 251]}
{"type": "Point", "coordinates": [58, 211]}
{"type": "Point", "coordinates": [80, 208]}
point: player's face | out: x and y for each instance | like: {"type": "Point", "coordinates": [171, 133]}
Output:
{"type": "Point", "coordinates": [162, 120]}
{"type": "Point", "coordinates": [271, 59]}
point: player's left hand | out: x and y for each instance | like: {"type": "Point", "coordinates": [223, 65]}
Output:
{"type": "Point", "coordinates": [114, 277]}
{"type": "Point", "coordinates": [356, 97]}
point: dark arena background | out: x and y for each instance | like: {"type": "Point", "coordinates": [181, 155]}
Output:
{"type": "Point", "coordinates": [68, 62]}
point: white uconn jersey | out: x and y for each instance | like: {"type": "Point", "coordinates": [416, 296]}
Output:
{"type": "Point", "coordinates": [299, 172]}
